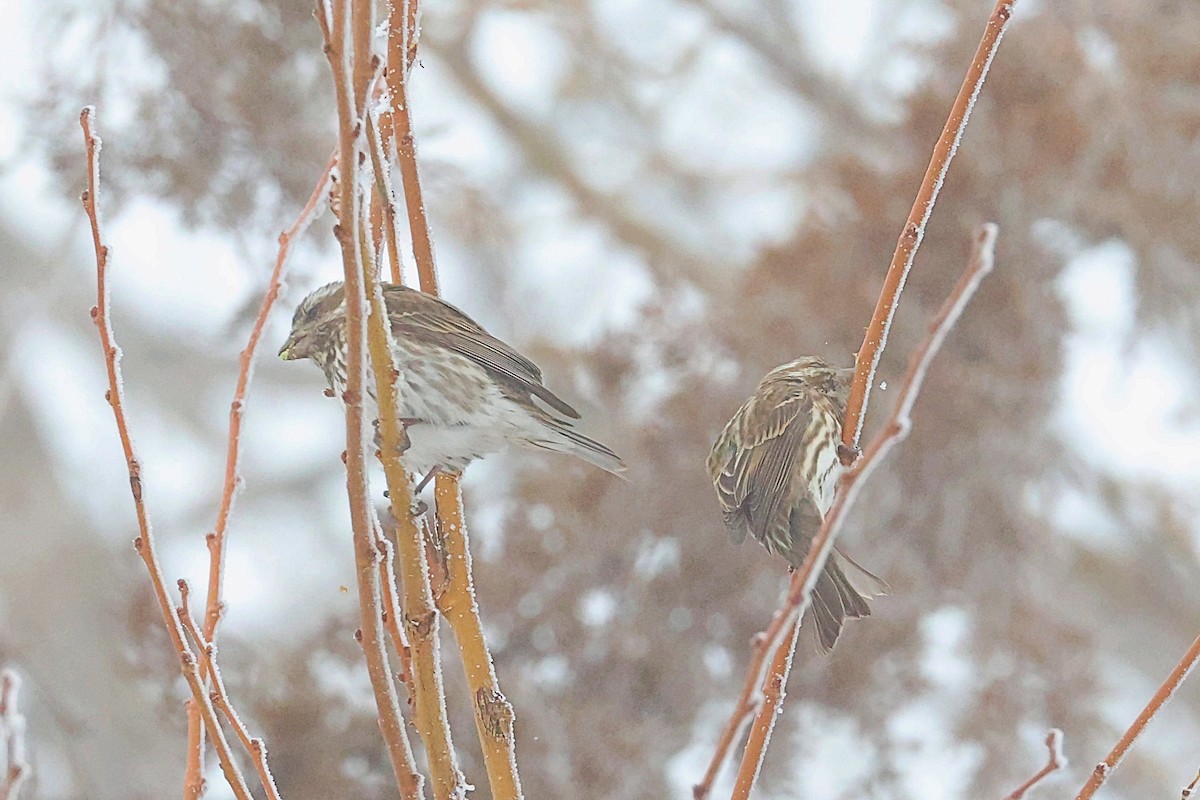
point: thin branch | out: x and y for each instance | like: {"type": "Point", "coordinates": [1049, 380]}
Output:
{"type": "Point", "coordinates": [350, 107]}
{"type": "Point", "coordinates": [914, 229]}
{"type": "Point", "coordinates": [256, 748]}
{"type": "Point", "coordinates": [144, 543]}
{"type": "Point", "coordinates": [193, 774]}
{"type": "Point", "coordinates": [1190, 789]}
{"type": "Point", "coordinates": [1055, 761]}
{"type": "Point", "coordinates": [401, 43]}
{"type": "Point", "coordinates": [747, 704]}
{"type": "Point", "coordinates": [392, 614]}
{"type": "Point", "coordinates": [384, 195]}
{"type": "Point", "coordinates": [894, 431]}
{"type": "Point", "coordinates": [216, 540]}
{"type": "Point", "coordinates": [493, 712]}
{"type": "Point", "coordinates": [866, 364]}
{"type": "Point", "coordinates": [12, 737]}
{"type": "Point", "coordinates": [214, 607]}
{"type": "Point", "coordinates": [1165, 692]}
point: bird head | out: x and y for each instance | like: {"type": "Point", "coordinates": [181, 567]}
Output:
{"type": "Point", "coordinates": [312, 315]}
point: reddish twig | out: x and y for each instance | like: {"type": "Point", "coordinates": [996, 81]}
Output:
{"type": "Point", "coordinates": [214, 607]}
{"type": "Point", "coordinates": [216, 539]}
{"type": "Point", "coordinates": [894, 431]}
{"type": "Point", "coordinates": [1105, 768]}
{"type": "Point", "coordinates": [12, 737]}
{"type": "Point", "coordinates": [402, 43]}
{"type": "Point", "coordinates": [346, 56]}
{"type": "Point", "coordinates": [220, 697]}
{"type": "Point", "coordinates": [914, 229]}
{"type": "Point", "coordinates": [456, 600]}
{"type": "Point", "coordinates": [392, 614]}
{"type": "Point", "coordinates": [1056, 761]}
{"type": "Point", "coordinates": [384, 196]}
{"type": "Point", "coordinates": [869, 354]}
{"type": "Point", "coordinates": [144, 543]}
{"type": "Point", "coordinates": [1190, 789]}
{"type": "Point", "coordinates": [493, 713]}
{"type": "Point", "coordinates": [748, 702]}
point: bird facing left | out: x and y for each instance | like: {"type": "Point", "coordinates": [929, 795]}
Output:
{"type": "Point", "coordinates": [463, 393]}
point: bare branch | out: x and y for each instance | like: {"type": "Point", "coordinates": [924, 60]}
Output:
{"type": "Point", "coordinates": [894, 431]}
{"type": "Point", "coordinates": [493, 713]}
{"type": "Point", "coordinates": [1055, 761]}
{"type": "Point", "coordinates": [1190, 790]}
{"type": "Point", "coordinates": [144, 543]}
{"type": "Point", "coordinates": [12, 737]}
{"type": "Point", "coordinates": [914, 229]}
{"type": "Point", "coordinates": [256, 748]}
{"type": "Point", "coordinates": [1165, 692]}
{"type": "Point", "coordinates": [351, 105]}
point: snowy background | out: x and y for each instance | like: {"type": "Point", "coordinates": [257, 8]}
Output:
{"type": "Point", "coordinates": [657, 201]}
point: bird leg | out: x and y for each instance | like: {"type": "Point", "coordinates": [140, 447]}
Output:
{"type": "Point", "coordinates": [425, 481]}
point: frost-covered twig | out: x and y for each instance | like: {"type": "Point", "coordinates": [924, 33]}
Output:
{"type": "Point", "coordinates": [748, 702]}
{"type": "Point", "coordinates": [214, 606]}
{"type": "Point", "coordinates": [391, 608]}
{"type": "Point", "coordinates": [144, 543]}
{"type": "Point", "coordinates": [348, 50]}
{"type": "Point", "coordinates": [216, 539]}
{"type": "Point", "coordinates": [402, 48]}
{"type": "Point", "coordinates": [1165, 692]}
{"type": "Point", "coordinates": [256, 748]}
{"type": "Point", "coordinates": [893, 432]}
{"type": "Point", "coordinates": [493, 712]}
{"type": "Point", "coordinates": [866, 363]}
{"type": "Point", "coordinates": [12, 737]}
{"type": "Point", "coordinates": [914, 229]}
{"type": "Point", "coordinates": [1055, 761]}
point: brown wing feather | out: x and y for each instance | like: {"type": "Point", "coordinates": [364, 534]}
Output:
{"type": "Point", "coordinates": [430, 319]}
{"type": "Point", "coordinates": [756, 478]}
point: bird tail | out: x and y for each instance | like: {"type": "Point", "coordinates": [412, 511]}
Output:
{"type": "Point", "coordinates": [835, 597]}
{"type": "Point", "coordinates": [562, 439]}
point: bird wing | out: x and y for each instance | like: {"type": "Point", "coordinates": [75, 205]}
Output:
{"type": "Point", "coordinates": [430, 319]}
{"type": "Point", "coordinates": [762, 441]}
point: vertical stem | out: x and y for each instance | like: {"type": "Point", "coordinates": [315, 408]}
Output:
{"type": "Point", "coordinates": [493, 712]}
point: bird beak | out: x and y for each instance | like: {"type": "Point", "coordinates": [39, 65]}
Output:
{"type": "Point", "coordinates": [286, 351]}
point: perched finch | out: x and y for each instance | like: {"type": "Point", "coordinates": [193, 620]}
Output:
{"type": "Point", "coordinates": [462, 392]}
{"type": "Point", "coordinates": [775, 468]}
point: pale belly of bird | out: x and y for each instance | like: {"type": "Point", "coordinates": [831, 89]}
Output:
{"type": "Point", "coordinates": [454, 411]}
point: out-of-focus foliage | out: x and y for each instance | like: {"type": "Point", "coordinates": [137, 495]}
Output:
{"type": "Point", "coordinates": [659, 203]}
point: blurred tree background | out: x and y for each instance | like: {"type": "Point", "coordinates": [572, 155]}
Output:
{"type": "Point", "coordinates": [657, 201]}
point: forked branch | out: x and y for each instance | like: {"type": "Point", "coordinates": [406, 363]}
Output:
{"type": "Point", "coordinates": [894, 431]}
{"type": "Point", "coordinates": [144, 543]}
{"type": "Point", "coordinates": [1165, 692]}
{"type": "Point", "coordinates": [1055, 761]}
{"type": "Point", "coordinates": [348, 50]}
{"type": "Point", "coordinates": [868, 360]}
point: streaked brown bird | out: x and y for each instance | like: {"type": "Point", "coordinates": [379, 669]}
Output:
{"type": "Point", "coordinates": [775, 467]}
{"type": "Point", "coordinates": [463, 393]}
